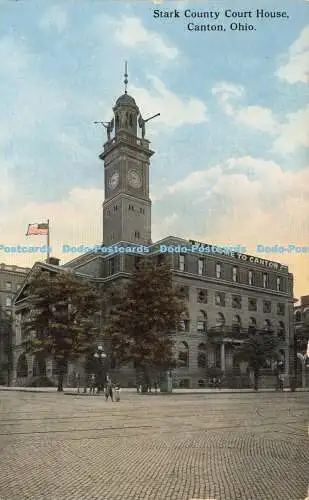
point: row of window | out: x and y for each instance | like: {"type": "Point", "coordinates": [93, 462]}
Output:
{"type": "Point", "coordinates": [9, 286]}
{"type": "Point", "coordinates": [131, 208]}
{"type": "Point", "coordinates": [202, 324]}
{"type": "Point", "coordinates": [220, 300]}
{"type": "Point", "coordinates": [251, 276]}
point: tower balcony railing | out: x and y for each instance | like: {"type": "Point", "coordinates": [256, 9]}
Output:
{"type": "Point", "coordinates": [124, 136]}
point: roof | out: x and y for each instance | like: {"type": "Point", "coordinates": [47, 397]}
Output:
{"type": "Point", "coordinates": [126, 100]}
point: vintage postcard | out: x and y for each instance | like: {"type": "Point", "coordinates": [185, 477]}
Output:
{"type": "Point", "coordinates": [154, 241]}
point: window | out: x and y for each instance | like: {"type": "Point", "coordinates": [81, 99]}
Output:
{"type": "Point", "coordinates": [220, 298]}
{"type": "Point", "coordinates": [252, 304]}
{"type": "Point", "coordinates": [201, 356]}
{"type": "Point", "coordinates": [184, 290]}
{"type": "Point", "coordinates": [202, 296]}
{"type": "Point", "coordinates": [266, 306]}
{"type": "Point", "coordinates": [201, 266]}
{"type": "Point", "coordinates": [137, 235]}
{"type": "Point", "coordinates": [8, 301]}
{"type": "Point", "coordinates": [267, 325]}
{"type": "Point", "coordinates": [252, 325]}
{"type": "Point", "coordinates": [265, 280]}
{"type": "Point", "coordinates": [115, 208]}
{"type": "Point", "coordinates": [183, 355]}
{"type": "Point", "coordinates": [278, 284]}
{"type": "Point", "coordinates": [281, 330]}
{"type": "Point", "coordinates": [236, 301]}
{"type": "Point", "coordinates": [111, 265]}
{"type": "Point", "coordinates": [218, 270]}
{"type": "Point", "coordinates": [137, 261]}
{"type": "Point", "coordinates": [142, 210]}
{"type": "Point", "coordinates": [181, 262]}
{"type": "Point", "coordinates": [220, 320]}
{"type": "Point", "coordinates": [280, 309]}
{"type": "Point", "coordinates": [236, 324]}
{"type": "Point", "coordinates": [160, 259]}
{"type": "Point", "coordinates": [297, 316]}
{"type": "Point", "coordinates": [250, 277]}
{"type": "Point", "coordinates": [202, 321]}
{"type": "Point", "coordinates": [235, 274]}
{"type": "Point", "coordinates": [108, 212]}
{"type": "Point", "coordinates": [184, 325]}
{"type": "Point", "coordinates": [8, 285]}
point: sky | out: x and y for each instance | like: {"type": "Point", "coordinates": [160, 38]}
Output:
{"type": "Point", "coordinates": [231, 141]}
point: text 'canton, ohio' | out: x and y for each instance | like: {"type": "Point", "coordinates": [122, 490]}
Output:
{"type": "Point", "coordinates": [234, 16]}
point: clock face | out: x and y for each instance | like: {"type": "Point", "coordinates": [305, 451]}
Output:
{"type": "Point", "coordinates": [113, 181]}
{"type": "Point", "coordinates": [134, 179]}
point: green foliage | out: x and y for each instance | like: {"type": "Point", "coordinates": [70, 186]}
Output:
{"type": "Point", "coordinates": [60, 321]}
{"type": "Point", "coordinates": [257, 349]}
{"type": "Point", "coordinates": [141, 324]}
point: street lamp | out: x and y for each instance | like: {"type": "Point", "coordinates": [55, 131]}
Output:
{"type": "Point", "coordinates": [100, 356]}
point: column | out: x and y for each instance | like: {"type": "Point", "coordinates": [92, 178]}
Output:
{"type": "Point", "coordinates": [223, 357]}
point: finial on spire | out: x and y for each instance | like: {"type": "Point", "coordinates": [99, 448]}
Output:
{"type": "Point", "coordinates": [125, 77]}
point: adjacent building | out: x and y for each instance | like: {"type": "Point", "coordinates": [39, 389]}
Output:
{"type": "Point", "coordinates": [11, 280]}
{"type": "Point", "coordinates": [228, 293]}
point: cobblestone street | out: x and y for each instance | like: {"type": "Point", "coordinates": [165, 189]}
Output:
{"type": "Point", "coordinates": [201, 446]}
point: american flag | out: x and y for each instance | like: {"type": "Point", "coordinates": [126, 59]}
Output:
{"type": "Point", "coordinates": [37, 229]}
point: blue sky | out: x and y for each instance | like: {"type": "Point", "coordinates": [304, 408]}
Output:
{"type": "Point", "coordinates": [231, 142]}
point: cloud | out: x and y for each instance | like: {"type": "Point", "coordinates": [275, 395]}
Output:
{"type": "Point", "coordinates": [255, 116]}
{"type": "Point", "coordinates": [258, 118]}
{"type": "Point", "coordinates": [225, 92]}
{"type": "Point", "coordinates": [294, 133]}
{"type": "Point", "coordinates": [54, 18]}
{"type": "Point", "coordinates": [246, 201]}
{"type": "Point", "coordinates": [296, 69]}
{"type": "Point", "coordinates": [75, 220]}
{"type": "Point", "coordinates": [131, 33]}
{"type": "Point", "coordinates": [177, 111]}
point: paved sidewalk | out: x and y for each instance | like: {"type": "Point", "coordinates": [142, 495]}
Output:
{"type": "Point", "coordinates": [74, 390]}
{"type": "Point", "coordinates": [222, 447]}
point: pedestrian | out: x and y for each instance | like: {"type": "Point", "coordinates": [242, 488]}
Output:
{"type": "Point", "coordinates": [117, 392]}
{"type": "Point", "coordinates": [92, 384]}
{"type": "Point", "coordinates": [109, 390]}
{"type": "Point", "coordinates": [155, 386]}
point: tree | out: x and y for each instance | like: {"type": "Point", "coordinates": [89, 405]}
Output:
{"type": "Point", "coordinates": [60, 322]}
{"type": "Point", "coordinates": [142, 321]}
{"type": "Point", "coordinates": [6, 346]}
{"type": "Point", "coordinates": [257, 350]}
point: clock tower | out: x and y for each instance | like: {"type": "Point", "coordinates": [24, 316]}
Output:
{"type": "Point", "coordinates": [127, 206]}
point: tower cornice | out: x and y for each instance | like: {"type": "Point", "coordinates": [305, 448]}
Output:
{"type": "Point", "coordinates": [125, 139]}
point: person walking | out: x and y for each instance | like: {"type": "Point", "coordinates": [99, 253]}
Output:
{"type": "Point", "coordinates": [109, 390]}
{"type": "Point", "coordinates": [92, 384]}
{"type": "Point", "coordinates": [117, 392]}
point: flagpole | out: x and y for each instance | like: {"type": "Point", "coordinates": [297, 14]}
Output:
{"type": "Point", "coordinates": [48, 240]}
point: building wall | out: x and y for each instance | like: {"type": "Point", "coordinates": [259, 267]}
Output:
{"type": "Point", "coordinates": [11, 279]}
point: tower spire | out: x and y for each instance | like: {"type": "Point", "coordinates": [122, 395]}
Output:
{"type": "Point", "coordinates": [125, 77]}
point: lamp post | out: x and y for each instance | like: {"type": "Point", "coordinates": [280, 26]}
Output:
{"type": "Point", "coordinates": [100, 356]}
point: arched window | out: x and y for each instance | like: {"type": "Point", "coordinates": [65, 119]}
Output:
{"type": "Point", "coordinates": [39, 366]}
{"type": "Point", "coordinates": [183, 355]}
{"type": "Point", "coordinates": [131, 121]}
{"type": "Point", "coordinates": [202, 321]}
{"type": "Point", "coordinates": [252, 325]}
{"type": "Point", "coordinates": [236, 324]}
{"type": "Point", "coordinates": [297, 316]}
{"type": "Point", "coordinates": [220, 320]}
{"type": "Point", "coordinates": [281, 330]}
{"type": "Point", "coordinates": [22, 366]}
{"type": "Point", "coordinates": [201, 356]}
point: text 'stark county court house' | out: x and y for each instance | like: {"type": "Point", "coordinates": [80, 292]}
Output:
{"type": "Point", "coordinates": [227, 295]}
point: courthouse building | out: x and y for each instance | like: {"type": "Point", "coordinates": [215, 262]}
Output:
{"type": "Point", "coordinates": [227, 294]}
